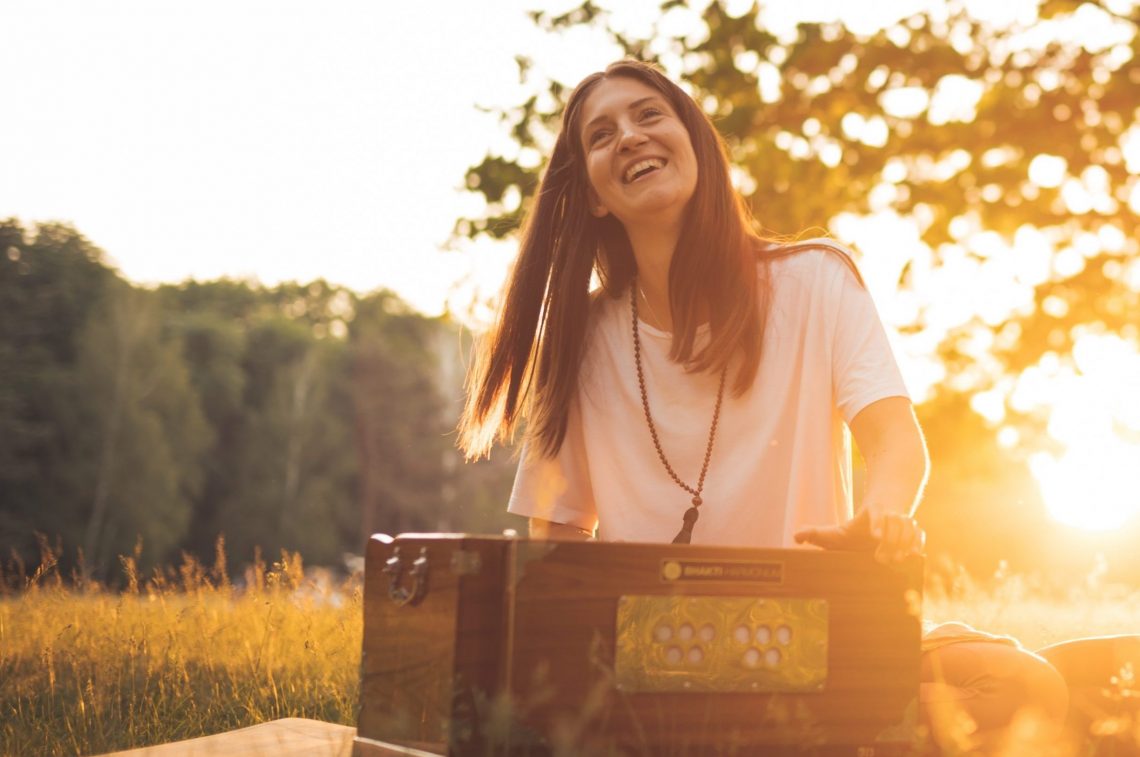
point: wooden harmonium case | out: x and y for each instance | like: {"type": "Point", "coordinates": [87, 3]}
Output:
{"type": "Point", "coordinates": [500, 645]}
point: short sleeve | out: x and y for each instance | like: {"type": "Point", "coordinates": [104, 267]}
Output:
{"type": "Point", "coordinates": [557, 488]}
{"type": "Point", "coordinates": [864, 369]}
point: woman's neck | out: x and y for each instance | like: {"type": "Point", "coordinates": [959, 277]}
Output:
{"type": "Point", "coordinates": [653, 249]}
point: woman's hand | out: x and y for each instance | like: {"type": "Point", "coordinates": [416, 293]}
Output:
{"type": "Point", "coordinates": [893, 536]}
{"type": "Point", "coordinates": [891, 442]}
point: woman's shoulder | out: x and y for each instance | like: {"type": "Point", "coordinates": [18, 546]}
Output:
{"type": "Point", "coordinates": [811, 262]}
{"type": "Point", "coordinates": [808, 254]}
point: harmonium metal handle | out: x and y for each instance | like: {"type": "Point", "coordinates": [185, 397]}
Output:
{"type": "Point", "coordinates": [394, 567]}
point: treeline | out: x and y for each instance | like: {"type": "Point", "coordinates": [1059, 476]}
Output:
{"type": "Point", "coordinates": [302, 416]}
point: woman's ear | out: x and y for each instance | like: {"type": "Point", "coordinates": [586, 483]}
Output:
{"type": "Point", "coordinates": [597, 209]}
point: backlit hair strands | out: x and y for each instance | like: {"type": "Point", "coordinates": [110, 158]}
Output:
{"type": "Point", "coordinates": [529, 362]}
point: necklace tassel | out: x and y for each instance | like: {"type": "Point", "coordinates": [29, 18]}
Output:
{"type": "Point", "coordinates": [685, 535]}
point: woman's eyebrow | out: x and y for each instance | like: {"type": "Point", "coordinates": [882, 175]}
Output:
{"type": "Point", "coordinates": [632, 106]}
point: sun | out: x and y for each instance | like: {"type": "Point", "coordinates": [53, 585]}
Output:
{"type": "Point", "coordinates": [1094, 413]}
{"type": "Point", "coordinates": [1093, 487]}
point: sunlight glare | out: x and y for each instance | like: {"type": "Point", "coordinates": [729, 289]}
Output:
{"type": "Point", "coordinates": [1093, 487]}
{"type": "Point", "coordinates": [875, 132]}
{"type": "Point", "coordinates": [1034, 252]}
{"type": "Point", "coordinates": [1047, 171]}
{"type": "Point", "coordinates": [905, 102]}
{"type": "Point", "coordinates": [1094, 415]}
{"type": "Point", "coordinates": [479, 268]}
{"type": "Point", "coordinates": [955, 99]}
{"type": "Point", "coordinates": [1130, 149]}
{"type": "Point", "coordinates": [990, 405]}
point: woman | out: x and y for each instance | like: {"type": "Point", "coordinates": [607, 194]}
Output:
{"type": "Point", "coordinates": [701, 393]}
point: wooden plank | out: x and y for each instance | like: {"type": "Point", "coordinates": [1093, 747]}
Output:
{"type": "Point", "coordinates": [363, 747]}
{"type": "Point", "coordinates": [288, 737]}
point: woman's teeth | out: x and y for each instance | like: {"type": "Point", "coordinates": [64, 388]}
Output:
{"type": "Point", "coordinates": [642, 167]}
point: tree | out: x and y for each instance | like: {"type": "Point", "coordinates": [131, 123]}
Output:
{"type": "Point", "coordinates": [293, 465]}
{"type": "Point", "coordinates": [146, 435]}
{"type": "Point", "coordinates": [407, 390]}
{"type": "Point", "coordinates": [105, 430]}
{"type": "Point", "coordinates": [213, 347]}
{"type": "Point", "coordinates": [399, 418]}
{"type": "Point", "coordinates": [50, 279]}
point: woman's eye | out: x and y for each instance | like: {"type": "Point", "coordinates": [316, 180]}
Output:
{"type": "Point", "coordinates": [598, 136]}
{"type": "Point", "coordinates": [650, 113]}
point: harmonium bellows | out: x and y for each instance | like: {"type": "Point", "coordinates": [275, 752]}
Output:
{"type": "Point", "coordinates": [501, 645]}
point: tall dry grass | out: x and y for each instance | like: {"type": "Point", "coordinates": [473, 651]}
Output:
{"type": "Point", "coordinates": [178, 654]}
{"type": "Point", "coordinates": [1036, 610]}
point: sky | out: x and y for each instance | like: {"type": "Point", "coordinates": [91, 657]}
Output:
{"type": "Point", "coordinates": [276, 140]}
{"type": "Point", "coordinates": [280, 140]}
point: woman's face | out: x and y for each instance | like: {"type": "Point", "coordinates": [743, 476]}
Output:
{"type": "Point", "coordinates": [639, 158]}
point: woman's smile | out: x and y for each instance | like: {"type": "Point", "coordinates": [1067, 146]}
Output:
{"type": "Point", "coordinates": [643, 168]}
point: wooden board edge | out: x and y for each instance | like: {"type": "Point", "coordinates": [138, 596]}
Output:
{"type": "Point", "coordinates": [366, 747]}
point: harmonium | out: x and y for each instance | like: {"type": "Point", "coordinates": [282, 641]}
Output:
{"type": "Point", "coordinates": [500, 645]}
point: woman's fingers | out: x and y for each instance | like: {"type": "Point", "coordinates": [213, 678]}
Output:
{"type": "Point", "coordinates": [828, 537]}
{"type": "Point", "coordinates": [893, 536]}
{"type": "Point", "coordinates": [890, 536]}
{"type": "Point", "coordinates": [855, 534]}
{"type": "Point", "coordinates": [900, 536]}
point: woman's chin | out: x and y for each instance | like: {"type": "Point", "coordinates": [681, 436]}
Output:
{"type": "Point", "coordinates": [655, 207]}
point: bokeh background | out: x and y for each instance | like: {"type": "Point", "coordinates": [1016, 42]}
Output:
{"type": "Point", "coordinates": [247, 249]}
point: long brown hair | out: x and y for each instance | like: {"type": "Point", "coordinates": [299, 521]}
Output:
{"type": "Point", "coordinates": [529, 363]}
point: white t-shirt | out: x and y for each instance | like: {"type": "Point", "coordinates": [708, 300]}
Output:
{"type": "Point", "coordinates": [782, 455]}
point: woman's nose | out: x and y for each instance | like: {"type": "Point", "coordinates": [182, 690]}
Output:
{"type": "Point", "coordinates": [631, 137]}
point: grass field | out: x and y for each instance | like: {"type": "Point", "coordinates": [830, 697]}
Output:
{"type": "Point", "coordinates": [85, 670]}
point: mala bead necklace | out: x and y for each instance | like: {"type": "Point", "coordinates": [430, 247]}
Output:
{"type": "Point", "coordinates": [685, 535]}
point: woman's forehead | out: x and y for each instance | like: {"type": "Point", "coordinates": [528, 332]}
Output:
{"type": "Point", "coordinates": [616, 94]}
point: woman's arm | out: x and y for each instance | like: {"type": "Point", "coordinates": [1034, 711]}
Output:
{"type": "Point", "coordinates": [892, 446]}
{"type": "Point", "coordinates": [546, 529]}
